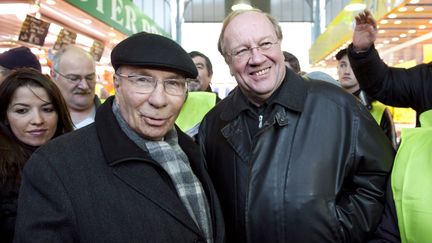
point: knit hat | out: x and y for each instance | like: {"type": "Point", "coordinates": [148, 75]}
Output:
{"type": "Point", "coordinates": [152, 50]}
{"type": "Point", "coordinates": [19, 57]}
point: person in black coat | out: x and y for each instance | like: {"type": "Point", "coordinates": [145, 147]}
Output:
{"type": "Point", "coordinates": [399, 87]}
{"type": "Point", "coordinates": [132, 176]}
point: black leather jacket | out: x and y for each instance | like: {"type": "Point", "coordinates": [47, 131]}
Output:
{"type": "Point", "coordinates": [316, 171]}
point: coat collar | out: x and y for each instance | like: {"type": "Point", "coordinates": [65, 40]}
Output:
{"type": "Point", "coordinates": [291, 94]}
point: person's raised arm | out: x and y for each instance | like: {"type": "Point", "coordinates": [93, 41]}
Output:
{"type": "Point", "coordinates": [365, 31]}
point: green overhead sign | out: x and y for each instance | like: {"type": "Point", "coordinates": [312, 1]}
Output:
{"type": "Point", "coordinates": [122, 15]}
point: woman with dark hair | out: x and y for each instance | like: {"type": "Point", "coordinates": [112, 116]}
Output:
{"type": "Point", "coordinates": [32, 112]}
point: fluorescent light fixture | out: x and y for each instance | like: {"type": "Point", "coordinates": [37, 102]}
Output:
{"type": "Point", "coordinates": [353, 6]}
{"type": "Point", "coordinates": [72, 20]}
{"type": "Point", "coordinates": [14, 8]}
{"type": "Point", "coordinates": [241, 5]}
{"type": "Point", "coordinates": [392, 16]}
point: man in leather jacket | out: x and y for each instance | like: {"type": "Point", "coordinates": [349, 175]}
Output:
{"type": "Point", "coordinates": [291, 160]}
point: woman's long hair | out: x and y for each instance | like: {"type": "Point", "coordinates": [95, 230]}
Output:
{"type": "Point", "coordinates": [13, 153]}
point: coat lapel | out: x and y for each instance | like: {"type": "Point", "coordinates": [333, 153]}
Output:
{"type": "Point", "coordinates": [149, 183]}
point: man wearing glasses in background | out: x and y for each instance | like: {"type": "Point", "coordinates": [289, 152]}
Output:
{"type": "Point", "coordinates": [131, 176]}
{"type": "Point", "coordinates": [74, 72]}
{"type": "Point", "coordinates": [291, 160]}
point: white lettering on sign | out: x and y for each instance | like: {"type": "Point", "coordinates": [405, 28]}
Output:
{"type": "Point", "coordinates": [130, 19]}
{"type": "Point", "coordinates": [116, 11]}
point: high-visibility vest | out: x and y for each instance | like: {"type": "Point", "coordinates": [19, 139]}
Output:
{"type": "Point", "coordinates": [377, 111]}
{"type": "Point", "coordinates": [196, 106]}
{"type": "Point", "coordinates": [411, 180]}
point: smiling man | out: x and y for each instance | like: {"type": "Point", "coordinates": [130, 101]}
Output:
{"type": "Point", "coordinates": [131, 176]}
{"type": "Point", "coordinates": [291, 160]}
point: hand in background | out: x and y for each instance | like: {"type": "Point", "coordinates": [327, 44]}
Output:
{"type": "Point", "coordinates": [365, 31]}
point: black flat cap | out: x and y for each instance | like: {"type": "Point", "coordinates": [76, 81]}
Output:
{"type": "Point", "coordinates": [152, 50]}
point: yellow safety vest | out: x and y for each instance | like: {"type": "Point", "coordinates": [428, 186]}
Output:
{"type": "Point", "coordinates": [197, 104]}
{"type": "Point", "coordinates": [377, 111]}
{"type": "Point", "coordinates": [411, 180]}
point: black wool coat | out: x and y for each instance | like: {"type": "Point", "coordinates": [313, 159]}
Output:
{"type": "Point", "coordinates": [96, 185]}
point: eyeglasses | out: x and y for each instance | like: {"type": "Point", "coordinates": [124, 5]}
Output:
{"type": "Point", "coordinates": [147, 84]}
{"type": "Point", "coordinates": [245, 53]}
{"type": "Point", "coordinates": [75, 78]}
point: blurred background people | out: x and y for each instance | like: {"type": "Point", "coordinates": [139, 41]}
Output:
{"type": "Point", "coordinates": [32, 112]}
{"type": "Point", "coordinates": [205, 72]}
{"type": "Point", "coordinates": [379, 111]}
{"type": "Point", "coordinates": [16, 58]}
{"type": "Point", "coordinates": [292, 62]}
{"type": "Point", "coordinates": [399, 87]}
{"type": "Point", "coordinates": [74, 72]}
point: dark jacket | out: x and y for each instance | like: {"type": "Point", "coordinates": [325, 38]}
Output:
{"type": "Point", "coordinates": [96, 185]}
{"type": "Point", "coordinates": [13, 155]}
{"type": "Point", "coordinates": [316, 171]}
{"type": "Point", "coordinates": [398, 87]}
{"type": "Point", "coordinates": [386, 122]}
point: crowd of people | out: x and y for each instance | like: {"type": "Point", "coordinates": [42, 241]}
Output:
{"type": "Point", "coordinates": [287, 156]}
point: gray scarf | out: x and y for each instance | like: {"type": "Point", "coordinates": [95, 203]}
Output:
{"type": "Point", "coordinates": [175, 162]}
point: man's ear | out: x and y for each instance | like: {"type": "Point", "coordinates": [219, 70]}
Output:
{"type": "Point", "coordinates": [116, 82]}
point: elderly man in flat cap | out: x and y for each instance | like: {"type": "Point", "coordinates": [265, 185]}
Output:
{"type": "Point", "coordinates": [132, 176]}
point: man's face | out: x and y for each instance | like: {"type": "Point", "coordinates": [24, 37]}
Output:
{"type": "Point", "coordinates": [346, 75]}
{"type": "Point", "coordinates": [203, 75]}
{"type": "Point", "coordinates": [79, 94]}
{"type": "Point", "coordinates": [261, 73]}
{"type": "Point", "coordinates": [153, 114]}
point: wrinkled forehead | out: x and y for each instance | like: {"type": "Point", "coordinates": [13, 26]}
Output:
{"type": "Point", "coordinates": [247, 27]}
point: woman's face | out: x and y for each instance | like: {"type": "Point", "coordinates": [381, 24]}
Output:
{"type": "Point", "coordinates": [31, 115]}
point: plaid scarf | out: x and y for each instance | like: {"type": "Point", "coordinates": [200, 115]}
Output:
{"type": "Point", "coordinates": [175, 162]}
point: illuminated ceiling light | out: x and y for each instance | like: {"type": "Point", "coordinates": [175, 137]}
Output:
{"type": "Point", "coordinates": [402, 9]}
{"type": "Point", "coordinates": [395, 38]}
{"type": "Point", "coordinates": [419, 9]}
{"type": "Point", "coordinates": [87, 21]}
{"type": "Point", "coordinates": [84, 40]}
{"type": "Point", "coordinates": [112, 34]}
{"type": "Point", "coordinates": [381, 31]}
{"type": "Point", "coordinates": [72, 20]}
{"type": "Point", "coordinates": [430, 21]}
{"type": "Point", "coordinates": [398, 21]}
{"type": "Point", "coordinates": [54, 28]}
{"type": "Point", "coordinates": [241, 5]}
{"type": "Point", "coordinates": [401, 61]}
{"type": "Point", "coordinates": [421, 27]}
{"type": "Point", "coordinates": [412, 31]}
{"type": "Point", "coordinates": [384, 21]}
{"type": "Point", "coordinates": [403, 35]}
{"type": "Point", "coordinates": [414, 1]}
{"type": "Point", "coordinates": [386, 41]}
{"type": "Point", "coordinates": [51, 2]}
{"type": "Point", "coordinates": [14, 8]}
{"type": "Point", "coordinates": [392, 16]}
{"type": "Point", "coordinates": [380, 45]}
{"type": "Point", "coordinates": [355, 6]}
